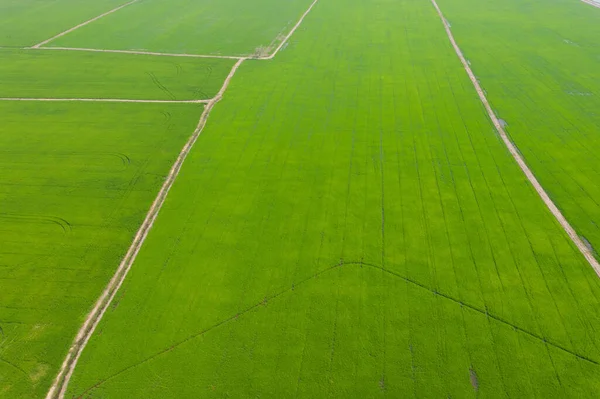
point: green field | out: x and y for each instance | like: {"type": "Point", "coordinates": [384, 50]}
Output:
{"type": "Point", "coordinates": [75, 182]}
{"type": "Point", "coordinates": [94, 75]}
{"type": "Point", "coordinates": [349, 224]}
{"type": "Point", "coordinates": [28, 22]}
{"type": "Point", "coordinates": [227, 27]}
{"type": "Point", "coordinates": [351, 228]}
{"type": "Point", "coordinates": [546, 88]}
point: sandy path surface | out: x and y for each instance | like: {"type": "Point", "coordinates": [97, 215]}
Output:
{"type": "Point", "coordinates": [60, 384]}
{"type": "Point", "coordinates": [83, 24]}
{"type": "Point", "coordinates": [105, 100]}
{"type": "Point", "coordinates": [95, 50]}
{"type": "Point", "coordinates": [585, 251]}
{"type": "Point", "coordinates": [592, 3]}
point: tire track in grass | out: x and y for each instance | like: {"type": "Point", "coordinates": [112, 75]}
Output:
{"type": "Point", "coordinates": [585, 251]}
{"type": "Point", "coordinates": [481, 219]}
{"type": "Point", "coordinates": [469, 244]}
{"type": "Point", "coordinates": [14, 366]}
{"type": "Point", "coordinates": [401, 154]}
{"type": "Point", "coordinates": [84, 24]}
{"type": "Point", "coordinates": [525, 280]}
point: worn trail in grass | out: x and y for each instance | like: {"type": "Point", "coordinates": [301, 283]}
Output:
{"type": "Point", "coordinates": [350, 225]}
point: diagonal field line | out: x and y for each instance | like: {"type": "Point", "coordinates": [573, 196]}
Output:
{"type": "Point", "coordinates": [585, 251]}
{"type": "Point", "coordinates": [592, 3]}
{"type": "Point", "coordinates": [231, 57]}
{"type": "Point", "coordinates": [59, 386]}
{"type": "Point", "coordinates": [297, 284]}
{"type": "Point", "coordinates": [137, 52]}
{"type": "Point", "coordinates": [83, 24]}
{"type": "Point", "coordinates": [284, 41]}
{"type": "Point", "coordinates": [105, 100]}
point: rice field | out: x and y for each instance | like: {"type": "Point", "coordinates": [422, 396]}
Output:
{"type": "Point", "coordinates": [225, 27]}
{"type": "Point", "coordinates": [546, 89]}
{"type": "Point", "coordinates": [348, 223]}
{"type": "Point", "coordinates": [27, 22]}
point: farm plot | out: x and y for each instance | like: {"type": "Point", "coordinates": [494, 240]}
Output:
{"type": "Point", "coordinates": [227, 27]}
{"type": "Point", "coordinates": [538, 63]}
{"type": "Point", "coordinates": [27, 22]}
{"type": "Point", "coordinates": [42, 74]}
{"type": "Point", "coordinates": [75, 183]}
{"type": "Point", "coordinates": [350, 225]}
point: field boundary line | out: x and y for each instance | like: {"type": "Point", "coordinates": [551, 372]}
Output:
{"type": "Point", "coordinates": [105, 100]}
{"type": "Point", "coordinates": [83, 24]}
{"type": "Point", "coordinates": [137, 52]}
{"type": "Point", "coordinates": [60, 384]}
{"type": "Point", "coordinates": [592, 3]}
{"type": "Point", "coordinates": [141, 52]}
{"type": "Point", "coordinates": [585, 251]}
{"type": "Point", "coordinates": [295, 285]}
{"type": "Point", "coordinates": [290, 33]}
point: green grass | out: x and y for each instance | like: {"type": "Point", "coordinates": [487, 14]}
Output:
{"type": "Point", "coordinates": [538, 62]}
{"type": "Point", "coordinates": [28, 22]}
{"type": "Point", "coordinates": [227, 27]}
{"type": "Point", "coordinates": [349, 224]}
{"type": "Point", "coordinates": [75, 183]}
{"type": "Point", "coordinates": [43, 73]}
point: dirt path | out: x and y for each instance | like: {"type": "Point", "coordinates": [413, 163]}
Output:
{"type": "Point", "coordinates": [585, 251]}
{"type": "Point", "coordinates": [60, 384]}
{"type": "Point", "coordinates": [105, 100]}
{"type": "Point", "coordinates": [592, 3]}
{"type": "Point", "coordinates": [231, 57]}
{"type": "Point", "coordinates": [291, 32]}
{"type": "Point", "coordinates": [59, 387]}
{"type": "Point", "coordinates": [83, 24]}
{"type": "Point", "coordinates": [95, 50]}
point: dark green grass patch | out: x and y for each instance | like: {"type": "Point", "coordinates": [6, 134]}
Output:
{"type": "Point", "coordinates": [349, 224]}
{"type": "Point", "coordinates": [75, 74]}
{"type": "Point", "coordinates": [75, 183]}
